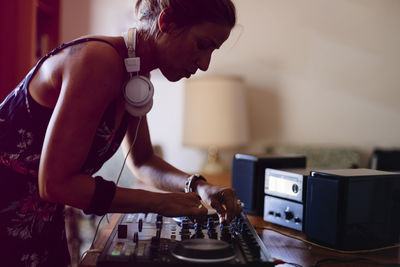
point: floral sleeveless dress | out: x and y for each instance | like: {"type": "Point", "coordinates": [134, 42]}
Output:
{"type": "Point", "coordinates": [32, 231]}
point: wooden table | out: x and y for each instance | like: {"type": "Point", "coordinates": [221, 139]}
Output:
{"type": "Point", "coordinates": [279, 246]}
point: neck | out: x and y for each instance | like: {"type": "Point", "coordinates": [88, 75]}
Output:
{"type": "Point", "coordinates": [146, 50]}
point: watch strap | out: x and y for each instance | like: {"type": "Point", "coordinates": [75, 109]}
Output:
{"type": "Point", "coordinates": [191, 180]}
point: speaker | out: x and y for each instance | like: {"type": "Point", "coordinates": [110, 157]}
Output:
{"type": "Point", "coordinates": [138, 90]}
{"type": "Point", "coordinates": [248, 175]}
{"type": "Point", "coordinates": [353, 209]}
{"type": "Point", "coordinates": [386, 160]}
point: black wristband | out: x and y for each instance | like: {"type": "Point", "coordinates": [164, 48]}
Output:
{"type": "Point", "coordinates": [102, 197]}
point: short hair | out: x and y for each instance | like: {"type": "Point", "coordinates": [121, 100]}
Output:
{"type": "Point", "coordinates": [184, 13]}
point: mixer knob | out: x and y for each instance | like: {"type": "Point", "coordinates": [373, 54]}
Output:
{"type": "Point", "coordinates": [185, 224]}
{"type": "Point", "coordinates": [243, 227]}
{"type": "Point", "coordinates": [122, 231]}
{"type": "Point", "coordinates": [198, 230]}
{"type": "Point", "coordinates": [210, 223]}
{"type": "Point", "coordinates": [212, 234]}
{"type": "Point", "coordinates": [158, 234]}
{"type": "Point", "coordinates": [225, 232]}
{"type": "Point", "coordinates": [158, 225]}
{"type": "Point", "coordinates": [185, 227]}
{"type": "Point", "coordinates": [136, 237]}
{"type": "Point", "coordinates": [140, 225]}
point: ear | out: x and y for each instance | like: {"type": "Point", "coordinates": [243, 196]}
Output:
{"type": "Point", "coordinates": [164, 22]}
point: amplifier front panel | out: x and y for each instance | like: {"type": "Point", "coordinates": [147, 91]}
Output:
{"type": "Point", "coordinates": [283, 212]}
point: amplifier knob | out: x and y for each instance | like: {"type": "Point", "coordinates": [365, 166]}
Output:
{"type": "Point", "coordinates": [289, 215]}
{"type": "Point", "coordinates": [295, 188]}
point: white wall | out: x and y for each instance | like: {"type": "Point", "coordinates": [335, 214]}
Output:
{"type": "Point", "coordinates": [318, 72]}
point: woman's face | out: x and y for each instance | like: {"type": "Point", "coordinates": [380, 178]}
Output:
{"type": "Point", "coordinates": [181, 53]}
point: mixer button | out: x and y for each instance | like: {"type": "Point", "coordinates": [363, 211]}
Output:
{"type": "Point", "coordinates": [149, 217]}
{"type": "Point", "coordinates": [130, 249]}
{"type": "Point", "coordinates": [129, 218]}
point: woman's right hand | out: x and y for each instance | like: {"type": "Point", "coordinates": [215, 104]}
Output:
{"type": "Point", "coordinates": [182, 204]}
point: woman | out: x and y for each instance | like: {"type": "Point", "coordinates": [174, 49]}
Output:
{"type": "Point", "coordinates": [68, 116]}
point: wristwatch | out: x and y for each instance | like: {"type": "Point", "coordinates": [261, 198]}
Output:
{"type": "Point", "coordinates": [191, 181]}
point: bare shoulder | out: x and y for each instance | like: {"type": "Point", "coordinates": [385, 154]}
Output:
{"type": "Point", "coordinates": [96, 63]}
{"type": "Point", "coordinates": [89, 65]}
{"type": "Point", "coordinates": [97, 55]}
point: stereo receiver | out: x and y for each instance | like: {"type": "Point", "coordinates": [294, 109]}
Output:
{"type": "Point", "coordinates": [284, 198]}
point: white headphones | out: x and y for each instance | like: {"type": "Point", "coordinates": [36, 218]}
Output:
{"type": "Point", "coordinates": [138, 91]}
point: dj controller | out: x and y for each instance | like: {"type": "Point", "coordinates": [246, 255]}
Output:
{"type": "Point", "coordinates": [153, 240]}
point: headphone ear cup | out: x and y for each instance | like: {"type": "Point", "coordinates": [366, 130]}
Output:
{"type": "Point", "coordinates": [138, 94]}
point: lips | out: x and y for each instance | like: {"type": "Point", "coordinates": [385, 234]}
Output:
{"type": "Point", "coordinates": [191, 72]}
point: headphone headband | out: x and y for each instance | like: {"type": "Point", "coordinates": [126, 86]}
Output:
{"type": "Point", "coordinates": [131, 42]}
{"type": "Point", "coordinates": [132, 63]}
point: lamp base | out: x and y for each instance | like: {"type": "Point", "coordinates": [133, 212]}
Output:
{"type": "Point", "coordinates": [213, 165]}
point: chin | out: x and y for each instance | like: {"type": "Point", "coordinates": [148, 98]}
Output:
{"type": "Point", "coordinates": [173, 79]}
{"type": "Point", "coordinates": [172, 76]}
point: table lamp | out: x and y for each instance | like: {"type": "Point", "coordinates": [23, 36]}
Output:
{"type": "Point", "coordinates": [215, 117]}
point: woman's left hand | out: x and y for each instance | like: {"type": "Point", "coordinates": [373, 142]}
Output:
{"type": "Point", "coordinates": [222, 199]}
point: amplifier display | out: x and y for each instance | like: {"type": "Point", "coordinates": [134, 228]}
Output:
{"type": "Point", "coordinates": [285, 184]}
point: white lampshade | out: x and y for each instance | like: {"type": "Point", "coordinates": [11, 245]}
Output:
{"type": "Point", "coordinates": [215, 112]}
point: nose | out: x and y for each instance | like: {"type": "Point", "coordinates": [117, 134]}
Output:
{"type": "Point", "coordinates": [203, 61]}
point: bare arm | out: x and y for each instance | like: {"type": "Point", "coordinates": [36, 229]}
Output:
{"type": "Point", "coordinates": [148, 167]}
{"type": "Point", "coordinates": [90, 80]}
{"type": "Point", "coordinates": [89, 76]}
{"type": "Point", "coordinates": [154, 171]}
